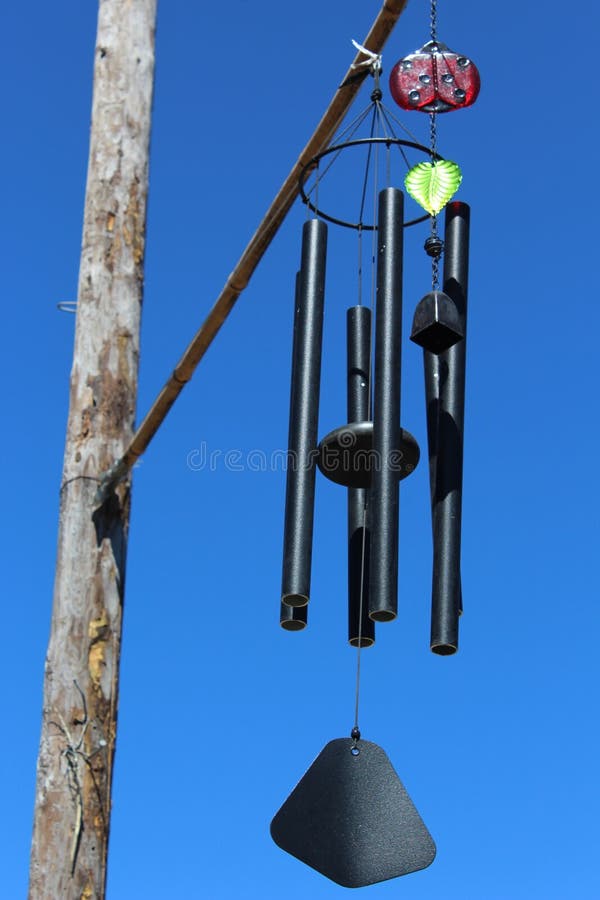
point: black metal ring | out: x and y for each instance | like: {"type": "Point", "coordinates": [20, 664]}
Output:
{"type": "Point", "coordinates": [314, 162]}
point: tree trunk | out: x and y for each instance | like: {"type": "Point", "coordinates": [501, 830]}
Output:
{"type": "Point", "coordinates": [73, 791]}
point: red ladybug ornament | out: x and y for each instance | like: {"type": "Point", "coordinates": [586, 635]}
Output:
{"type": "Point", "coordinates": [434, 79]}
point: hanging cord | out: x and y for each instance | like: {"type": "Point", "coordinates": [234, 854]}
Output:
{"type": "Point", "coordinates": [383, 122]}
{"type": "Point", "coordinates": [373, 63]}
{"type": "Point", "coordinates": [359, 278]}
{"type": "Point", "coordinates": [389, 117]}
{"type": "Point", "coordinates": [345, 135]}
{"type": "Point", "coordinates": [314, 191]}
{"type": "Point", "coordinates": [373, 132]}
{"type": "Point", "coordinates": [363, 195]}
{"type": "Point", "coordinates": [355, 733]}
{"type": "Point", "coordinates": [373, 251]}
{"type": "Point", "coordinates": [376, 121]}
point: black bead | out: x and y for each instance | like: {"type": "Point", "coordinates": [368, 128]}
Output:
{"type": "Point", "coordinates": [434, 246]}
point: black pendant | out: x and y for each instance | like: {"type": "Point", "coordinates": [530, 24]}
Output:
{"type": "Point", "coordinates": [436, 323]}
{"type": "Point", "coordinates": [351, 819]}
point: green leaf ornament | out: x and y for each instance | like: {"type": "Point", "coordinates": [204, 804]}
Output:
{"type": "Point", "coordinates": [433, 184]}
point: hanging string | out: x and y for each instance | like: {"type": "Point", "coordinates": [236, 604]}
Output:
{"type": "Point", "coordinates": [373, 248]}
{"type": "Point", "coordinates": [355, 733]}
{"type": "Point", "coordinates": [363, 195]}
{"type": "Point", "coordinates": [433, 246]}
{"type": "Point", "coordinates": [373, 132]}
{"type": "Point", "coordinates": [315, 188]}
{"type": "Point", "coordinates": [376, 98]}
{"type": "Point", "coordinates": [383, 121]}
{"type": "Point", "coordinates": [344, 135]}
{"type": "Point", "coordinates": [387, 114]}
{"type": "Point", "coordinates": [360, 233]}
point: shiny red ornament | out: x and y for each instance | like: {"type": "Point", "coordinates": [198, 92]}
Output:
{"type": "Point", "coordinates": [434, 79]}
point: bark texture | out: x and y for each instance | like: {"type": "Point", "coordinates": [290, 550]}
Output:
{"type": "Point", "coordinates": [73, 791]}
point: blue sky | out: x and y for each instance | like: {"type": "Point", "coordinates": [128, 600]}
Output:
{"type": "Point", "coordinates": [221, 712]}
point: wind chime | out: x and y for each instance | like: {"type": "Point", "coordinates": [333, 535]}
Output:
{"type": "Point", "coordinates": [350, 817]}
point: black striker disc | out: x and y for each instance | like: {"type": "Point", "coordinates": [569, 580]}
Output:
{"type": "Point", "coordinates": [351, 819]}
{"type": "Point", "coordinates": [346, 455]}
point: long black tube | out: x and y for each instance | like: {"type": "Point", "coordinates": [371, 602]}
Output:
{"type": "Point", "coordinates": [304, 414]}
{"type": "Point", "coordinates": [361, 629]}
{"type": "Point", "coordinates": [293, 618]}
{"type": "Point", "coordinates": [383, 583]}
{"type": "Point", "coordinates": [445, 389]}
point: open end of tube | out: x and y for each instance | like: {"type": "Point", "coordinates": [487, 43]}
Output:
{"type": "Point", "coordinates": [382, 615]}
{"type": "Point", "coordinates": [444, 649]}
{"type": "Point", "coordinates": [295, 599]}
{"type": "Point", "coordinates": [364, 642]}
{"type": "Point", "coordinates": [293, 624]}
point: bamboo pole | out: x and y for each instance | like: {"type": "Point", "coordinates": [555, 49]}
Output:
{"type": "Point", "coordinates": [250, 258]}
{"type": "Point", "coordinates": [74, 774]}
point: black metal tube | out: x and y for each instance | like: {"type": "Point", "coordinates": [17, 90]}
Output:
{"type": "Point", "coordinates": [361, 629]}
{"type": "Point", "coordinates": [383, 582]}
{"type": "Point", "coordinates": [294, 618]}
{"type": "Point", "coordinates": [445, 387]}
{"type": "Point", "coordinates": [304, 415]}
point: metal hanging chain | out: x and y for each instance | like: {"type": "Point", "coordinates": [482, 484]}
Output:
{"type": "Point", "coordinates": [433, 20]}
{"type": "Point", "coordinates": [433, 245]}
{"type": "Point", "coordinates": [433, 134]}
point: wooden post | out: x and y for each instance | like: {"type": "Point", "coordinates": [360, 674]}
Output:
{"type": "Point", "coordinates": [73, 791]}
